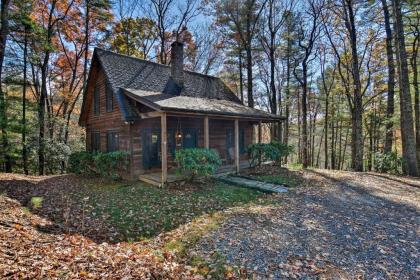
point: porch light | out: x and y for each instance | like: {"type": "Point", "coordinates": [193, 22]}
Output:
{"type": "Point", "coordinates": [179, 135]}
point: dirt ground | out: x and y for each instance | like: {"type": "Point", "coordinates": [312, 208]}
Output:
{"type": "Point", "coordinates": [344, 225]}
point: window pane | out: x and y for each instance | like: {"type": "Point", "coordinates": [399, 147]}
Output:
{"type": "Point", "coordinates": [112, 141]}
{"type": "Point", "coordinates": [95, 141]}
{"type": "Point", "coordinates": [109, 99]}
{"type": "Point", "coordinates": [96, 101]}
{"type": "Point", "coordinates": [242, 148]}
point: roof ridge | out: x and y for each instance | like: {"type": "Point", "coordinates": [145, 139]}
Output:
{"type": "Point", "coordinates": [154, 63]}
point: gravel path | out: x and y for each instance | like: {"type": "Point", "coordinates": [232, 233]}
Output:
{"type": "Point", "coordinates": [343, 226]}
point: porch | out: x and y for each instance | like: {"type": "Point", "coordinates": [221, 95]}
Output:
{"type": "Point", "coordinates": [155, 177]}
{"type": "Point", "coordinates": [162, 133]}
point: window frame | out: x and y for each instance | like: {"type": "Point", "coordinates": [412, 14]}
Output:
{"type": "Point", "coordinates": [95, 146]}
{"type": "Point", "coordinates": [96, 101]}
{"type": "Point", "coordinates": [109, 98]}
{"type": "Point", "coordinates": [110, 149]}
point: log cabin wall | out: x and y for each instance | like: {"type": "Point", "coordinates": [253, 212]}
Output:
{"type": "Point", "coordinates": [113, 121]}
{"type": "Point", "coordinates": [105, 121]}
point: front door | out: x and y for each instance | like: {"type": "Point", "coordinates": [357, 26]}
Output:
{"type": "Point", "coordinates": [230, 149]}
{"type": "Point", "coordinates": [151, 148]}
{"type": "Point", "coordinates": [190, 138]}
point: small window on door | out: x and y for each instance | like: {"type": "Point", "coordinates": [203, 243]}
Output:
{"type": "Point", "coordinates": [96, 101]}
{"type": "Point", "coordinates": [112, 144]}
{"type": "Point", "coordinates": [95, 141]}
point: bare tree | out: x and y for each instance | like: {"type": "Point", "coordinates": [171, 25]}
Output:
{"type": "Point", "coordinates": [328, 79]}
{"type": "Point", "coordinates": [406, 119]}
{"type": "Point", "coordinates": [391, 78]}
{"type": "Point", "coordinates": [53, 18]}
{"type": "Point", "coordinates": [170, 20]}
{"type": "Point", "coordinates": [307, 40]}
{"type": "Point", "coordinates": [273, 19]}
{"type": "Point", "coordinates": [208, 50]}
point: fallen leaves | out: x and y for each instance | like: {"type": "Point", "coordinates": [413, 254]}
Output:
{"type": "Point", "coordinates": [31, 254]}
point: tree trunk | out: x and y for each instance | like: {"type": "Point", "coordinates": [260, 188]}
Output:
{"type": "Point", "coordinates": [341, 160]}
{"type": "Point", "coordinates": [391, 80]}
{"type": "Point", "coordinates": [326, 132]}
{"type": "Point", "coordinates": [407, 126]}
{"type": "Point", "coordinates": [4, 32]}
{"type": "Point", "coordinates": [319, 149]}
{"type": "Point", "coordinates": [413, 60]}
{"type": "Point", "coordinates": [332, 144]}
{"type": "Point", "coordinates": [25, 63]}
{"type": "Point", "coordinates": [249, 76]}
{"type": "Point", "coordinates": [41, 116]}
{"type": "Point", "coordinates": [241, 78]}
{"type": "Point", "coordinates": [299, 129]}
{"type": "Point", "coordinates": [287, 107]}
{"type": "Point", "coordinates": [304, 118]}
{"type": "Point", "coordinates": [357, 133]}
{"type": "Point", "coordinates": [85, 65]}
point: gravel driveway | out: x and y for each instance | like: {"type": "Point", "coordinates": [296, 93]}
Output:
{"type": "Point", "coordinates": [343, 226]}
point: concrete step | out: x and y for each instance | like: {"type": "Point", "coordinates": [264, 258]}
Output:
{"type": "Point", "coordinates": [253, 184]}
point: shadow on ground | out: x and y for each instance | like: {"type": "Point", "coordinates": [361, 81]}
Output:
{"type": "Point", "coordinates": [345, 225]}
{"type": "Point", "coordinates": [123, 211]}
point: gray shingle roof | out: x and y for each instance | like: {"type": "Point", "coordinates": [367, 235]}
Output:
{"type": "Point", "coordinates": [152, 82]}
{"type": "Point", "coordinates": [174, 103]}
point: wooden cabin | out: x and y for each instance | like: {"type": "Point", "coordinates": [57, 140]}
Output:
{"type": "Point", "coordinates": [150, 110]}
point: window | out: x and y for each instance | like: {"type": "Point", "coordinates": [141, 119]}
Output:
{"type": "Point", "coordinates": [112, 141]}
{"type": "Point", "coordinates": [96, 101]}
{"type": "Point", "coordinates": [171, 141]}
{"type": "Point", "coordinates": [109, 98]}
{"type": "Point", "coordinates": [189, 138]}
{"type": "Point", "coordinates": [242, 147]}
{"type": "Point", "coordinates": [95, 139]}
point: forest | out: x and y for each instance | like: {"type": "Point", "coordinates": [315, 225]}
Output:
{"type": "Point", "coordinates": [343, 73]}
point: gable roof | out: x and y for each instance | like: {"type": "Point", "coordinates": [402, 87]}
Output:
{"type": "Point", "coordinates": [130, 77]}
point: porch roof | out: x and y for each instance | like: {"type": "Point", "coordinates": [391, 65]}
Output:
{"type": "Point", "coordinates": [198, 105]}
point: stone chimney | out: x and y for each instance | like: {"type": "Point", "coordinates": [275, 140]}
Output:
{"type": "Point", "coordinates": [177, 62]}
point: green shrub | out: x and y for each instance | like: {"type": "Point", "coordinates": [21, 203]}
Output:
{"type": "Point", "coordinates": [80, 163]}
{"type": "Point", "coordinates": [197, 162]}
{"type": "Point", "coordinates": [111, 165]}
{"type": "Point", "coordinates": [274, 151]}
{"type": "Point", "coordinates": [388, 163]}
{"type": "Point", "coordinates": [283, 150]}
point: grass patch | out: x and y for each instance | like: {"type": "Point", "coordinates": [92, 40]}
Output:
{"type": "Point", "coordinates": [139, 211]}
{"type": "Point", "coordinates": [36, 202]}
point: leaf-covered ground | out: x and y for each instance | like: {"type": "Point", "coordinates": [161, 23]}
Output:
{"type": "Point", "coordinates": [341, 225]}
{"type": "Point", "coordinates": [65, 227]}
{"type": "Point", "coordinates": [331, 225]}
{"type": "Point", "coordinates": [27, 252]}
{"type": "Point", "coordinates": [114, 212]}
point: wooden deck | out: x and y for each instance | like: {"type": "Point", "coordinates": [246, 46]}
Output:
{"type": "Point", "coordinates": [155, 177]}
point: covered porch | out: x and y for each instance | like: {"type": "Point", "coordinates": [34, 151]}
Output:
{"type": "Point", "coordinates": [228, 135]}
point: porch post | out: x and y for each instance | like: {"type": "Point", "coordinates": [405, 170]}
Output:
{"type": "Point", "coordinates": [206, 132]}
{"type": "Point", "coordinates": [164, 151]}
{"type": "Point", "coordinates": [259, 132]}
{"type": "Point", "coordinates": [237, 145]}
